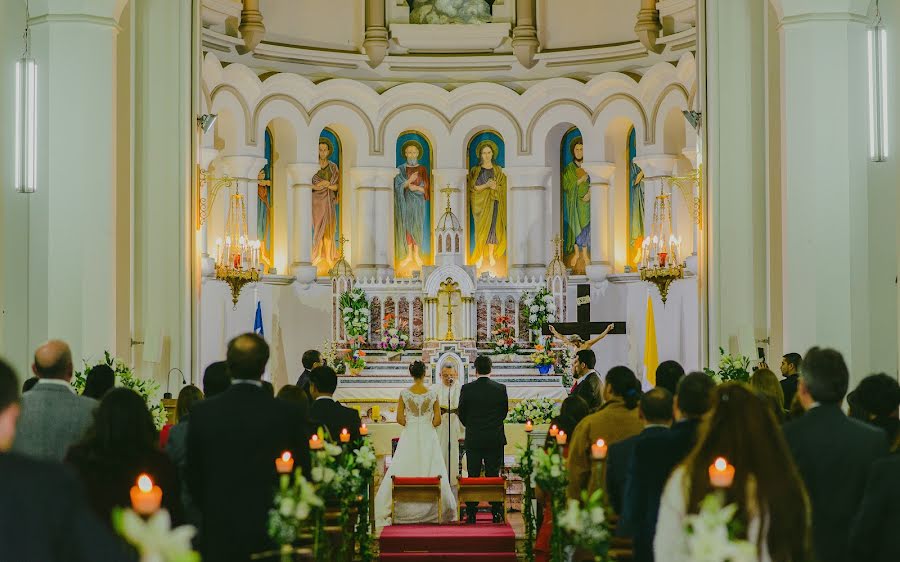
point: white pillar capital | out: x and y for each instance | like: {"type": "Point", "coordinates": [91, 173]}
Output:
{"type": "Point", "coordinates": [600, 172]}
{"type": "Point", "coordinates": [691, 154]}
{"type": "Point", "coordinates": [454, 177]}
{"type": "Point", "coordinates": [373, 176]}
{"type": "Point", "coordinates": [796, 11]}
{"type": "Point", "coordinates": [657, 165]}
{"type": "Point", "coordinates": [207, 155]}
{"type": "Point", "coordinates": [527, 177]}
{"type": "Point", "coordinates": [240, 167]}
{"type": "Point", "coordinates": [96, 13]}
{"type": "Point", "coordinates": [300, 174]}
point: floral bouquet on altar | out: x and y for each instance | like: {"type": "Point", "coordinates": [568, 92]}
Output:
{"type": "Point", "coordinates": [504, 336]}
{"type": "Point", "coordinates": [393, 337]}
{"type": "Point", "coordinates": [585, 524]}
{"type": "Point", "coordinates": [538, 410]}
{"type": "Point", "coordinates": [711, 534]}
{"type": "Point", "coordinates": [355, 361]}
{"type": "Point", "coordinates": [355, 313]}
{"type": "Point", "coordinates": [543, 360]}
{"type": "Point", "coordinates": [731, 368]}
{"type": "Point", "coordinates": [541, 310]}
{"type": "Point", "coordinates": [147, 388]}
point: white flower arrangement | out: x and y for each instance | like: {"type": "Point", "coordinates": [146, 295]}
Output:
{"type": "Point", "coordinates": [710, 537]}
{"type": "Point", "coordinates": [538, 410]}
{"type": "Point", "coordinates": [355, 313]}
{"type": "Point", "coordinates": [542, 310]}
{"type": "Point", "coordinates": [731, 368]}
{"type": "Point", "coordinates": [586, 525]}
{"type": "Point", "coordinates": [292, 506]}
{"type": "Point", "coordinates": [155, 539]}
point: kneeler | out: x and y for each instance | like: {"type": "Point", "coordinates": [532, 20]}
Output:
{"type": "Point", "coordinates": [483, 489]}
{"type": "Point", "coordinates": [422, 490]}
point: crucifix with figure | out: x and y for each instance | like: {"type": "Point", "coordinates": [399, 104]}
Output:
{"type": "Point", "coordinates": [583, 327]}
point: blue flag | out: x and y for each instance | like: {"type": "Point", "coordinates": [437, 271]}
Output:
{"type": "Point", "coordinates": [257, 323]}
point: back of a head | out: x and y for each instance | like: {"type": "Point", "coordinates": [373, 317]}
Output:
{"type": "Point", "coordinates": [122, 427]}
{"type": "Point", "coordinates": [291, 393]}
{"type": "Point", "coordinates": [694, 394]}
{"type": "Point", "coordinates": [483, 365]}
{"type": "Point", "coordinates": [188, 396]}
{"type": "Point", "coordinates": [53, 360]}
{"type": "Point", "coordinates": [324, 379]}
{"type": "Point", "coordinates": [587, 357]}
{"type": "Point", "coordinates": [668, 373]}
{"type": "Point", "coordinates": [825, 375]}
{"type": "Point", "coordinates": [875, 400]}
{"type": "Point", "coordinates": [625, 385]}
{"type": "Point", "coordinates": [310, 358]}
{"type": "Point", "coordinates": [766, 383]}
{"type": "Point", "coordinates": [417, 369]}
{"type": "Point", "coordinates": [656, 406]}
{"type": "Point", "coordinates": [99, 380]}
{"type": "Point", "coordinates": [247, 356]}
{"type": "Point", "coordinates": [573, 410]}
{"type": "Point", "coordinates": [216, 379]}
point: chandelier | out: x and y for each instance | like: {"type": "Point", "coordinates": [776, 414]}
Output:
{"type": "Point", "coordinates": [237, 259]}
{"type": "Point", "coordinates": [661, 260]}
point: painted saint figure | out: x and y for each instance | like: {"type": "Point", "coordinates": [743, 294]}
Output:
{"type": "Point", "coordinates": [324, 197]}
{"type": "Point", "coordinates": [576, 185]}
{"type": "Point", "coordinates": [487, 193]}
{"type": "Point", "coordinates": [411, 194]}
{"type": "Point", "coordinates": [636, 211]}
{"type": "Point", "coordinates": [264, 217]}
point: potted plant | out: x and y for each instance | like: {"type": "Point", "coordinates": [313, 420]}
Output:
{"type": "Point", "coordinates": [394, 338]}
{"type": "Point", "coordinates": [542, 360]}
{"type": "Point", "coordinates": [355, 361]}
{"type": "Point", "coordinates": [541, 311]}
{"type": "Point", "coordinates": [504, 342]}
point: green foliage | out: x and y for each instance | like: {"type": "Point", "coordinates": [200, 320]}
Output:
{"type": "Point", "coordinates": [731, 368]}
{"type": "Point", "coordinates": [125, 376]}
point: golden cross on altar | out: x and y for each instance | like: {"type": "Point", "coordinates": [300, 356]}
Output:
{"type": "Point", "coordinates": [342, 241]}
{"type": "Point", "coordinates": [449, 287]}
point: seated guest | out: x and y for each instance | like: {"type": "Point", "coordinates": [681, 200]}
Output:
{"type": "Point", "coordinates": [668, 373]}
{"type": "Point", "coordinates": [100, 378]}
{"type": "Point", "coordinates": [233, 440]}
{"type": "Point", "coordinates": [873, 536]}
{"type": "Point", "coordinates": [875, 401]}
{"type": "Point", "coordinates": [765, 383]}
{"type": "Point", "coordinates": [29, 384]}
{"type": "Point", "coordinates": [655, 411]}
{"type": "Point", "coordinates": [653, 460]}
{"type": "Point", "coordinates": [216, 379]}
{"type": "Point", "coordinates": [43, 512]}
{"type": "Point", "coordinates": [53, 416]}
{"type": "Point", "coordinates": [176, 447]}
{"type": "Point", "coordinates": [790, 370]}
{"type": "Point", "coordinates": [327, 413]}
{"type": "Point", "coordinates": [311, 359]}
{"type": "Point", "coordinates": [119, 446]}
{"type": "Point", "coordinates": [269, 388]}
{"type": "Point", "coordinates": [833, 452]}
{"type": "Point", "coordinates": [616, 420]}
{"type": "Point", "coordinates": [772, 507]}
{"type": "Point", "coordinates": [296, 395]}
{"type": "Point", "coordinates": [588, 384]}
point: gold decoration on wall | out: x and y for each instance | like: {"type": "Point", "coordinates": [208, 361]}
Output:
{"type": "Point", "coordinates": [685, 185]}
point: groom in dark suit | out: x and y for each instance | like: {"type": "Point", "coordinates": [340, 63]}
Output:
{"type": "Point", "coordinates": [482, 408]}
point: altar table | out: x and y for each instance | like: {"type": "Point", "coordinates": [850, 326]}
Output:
{"type": "Point", "coordinates": [381, 435]}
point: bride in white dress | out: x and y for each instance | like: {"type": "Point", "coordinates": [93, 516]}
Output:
{"type": "Point", "coordinates": [418, 454]}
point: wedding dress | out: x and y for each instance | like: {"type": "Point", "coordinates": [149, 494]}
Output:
{"type": "Point", "coordinates": [418, 454]}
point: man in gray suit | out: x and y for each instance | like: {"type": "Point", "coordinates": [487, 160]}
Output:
{"type": "Point", "coordinates": [53, 416]}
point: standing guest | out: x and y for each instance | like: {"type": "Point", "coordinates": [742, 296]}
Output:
{"type": "Point", "coordinates": [296, 395]}
{"type": "Point", "coordinates": [875, 401]}
{"type": "Point", "coordinates": [873, 536]}
{"type": "Point", "coordinates": [655, 457]}
{"type": "Point", "coordinates": [765, 383]}
{"type": "Point", "coordinates": [325, 411]}
{"type": "Point", "coordinates": [616, 420]}
{"type": "Point", "coordinates": [176, 447]}
{"type": "Point", "coordinates": [53, 416]}
{"type": "Point", "coordinates": [668, 373]}
{"type": "Point", "coordinates": [269, 388]}
{"type": "Point", "coordinates": [29, 384]}
{"type": "Point", "coordinates": [232, 444]}
{"type": "Point", "coordinates": [311, 359]}
{"type": "Point", "coordinates": [588, 384]}
{"type": "Point", "coordinates": [833, 452]}
{"type": "Point", "coordinates": [100, 378]}
{"type": "Point", "coordinates": [790, 370]}
{"type": "Point", "coordinates": [119, 446]}
{"type": "Point", "coordinates": [772, 506]}
{"type": "Point", "coordinates": [216, 379]}
{"type": "Point", "coordinates": [43, 513]}
{"type": "Point", "coordinates": [655, 411]}
{"type": "Point", "coordinates": [483, 405]}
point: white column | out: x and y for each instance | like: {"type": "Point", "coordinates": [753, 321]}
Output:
{"type": "Point", "coordinates": [375, 42]}
{"type": "Point", "coordinates": [373, 227]}
{"type": "Point", "coordinates": [601, 219]}
{"type": "Point", "coordinates": [527, 240]}
{"type": "Point", "coordinates": [207, 155]}
{"type": "Point", "coordinates": [300, 178]}
{"type": "Point", "coordinates": [692, 244]}
{"type": "Point", "coordinates": [825, 231]}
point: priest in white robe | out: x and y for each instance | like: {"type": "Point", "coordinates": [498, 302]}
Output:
{"type": "Point", "coordinates": [450, 429]}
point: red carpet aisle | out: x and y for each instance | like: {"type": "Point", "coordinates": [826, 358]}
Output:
{"type": "Point", "coordinates": [456, 541]}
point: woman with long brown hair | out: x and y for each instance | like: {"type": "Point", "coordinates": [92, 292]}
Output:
{"type": "Point", "coordinates": [772, 505]}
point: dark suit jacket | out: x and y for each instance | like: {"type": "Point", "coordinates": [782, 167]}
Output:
{"type": "Point", "coordinates": [44, 516]}
{"type": "Point", "coordinates": [591, 390]}
{"type": "Point", "coordinates": [617, 461]}
{"type": "Point", "coordinates": [334, 417]}
{"type": "Point", "coordinates": [483, 405]}
{"type": "Point", "coordinates": [303, 383]}
{"type": "Point", "coordinates": [874, 536]}
{"type": "Point", "coordinates": [653, 460]}
{"type": "Point", "coordinates": [789, 388]}
{"type": "Point", "coordinates": [834, 454]}
{"type": "Point", "coordinates": [232, 444]}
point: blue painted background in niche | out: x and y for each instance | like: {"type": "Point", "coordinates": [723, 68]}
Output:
{"type": "Point", "coordinates": [336, 158]}
{"type": "Point", "coordinates": [425, 159]}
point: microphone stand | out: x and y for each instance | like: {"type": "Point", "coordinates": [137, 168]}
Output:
{"type": "Point", "coordinates": [168, 395]}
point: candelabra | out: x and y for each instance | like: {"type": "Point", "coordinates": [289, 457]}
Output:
{"type": "Point", "coordinates": [237, 257]}
{"type": "Point", "coordinates": [661, 261]}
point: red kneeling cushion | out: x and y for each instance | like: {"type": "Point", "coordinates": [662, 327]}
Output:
{"type": "Point", "coordinates": [482, 481]}
{"type": "Point", "coordinates": [420, 481]}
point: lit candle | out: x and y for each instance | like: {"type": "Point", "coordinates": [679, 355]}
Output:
{"type": "Point", "coordinates": [561, 438]}
{"type": "Point", "coordinates": [218, 250]}
{"type": "Point", "coordinates": [553, 430]}
{"type": "Point", "coordinates": [315, 443]}
{"type": "Point", "coordinates": [145, 497]}
{"type": "Point", "coordinates": [345, 436]}
{"type": "Point", "coordinates": [529, 427]}
{"type": "Point", "coordinates": [363, 430]}
{"type": "Point", "coordinates": [376, 413]}
{"type": "Point", "coordinates": [598, 450]}
{"type": "Point", "coordinates": [721, 474]}
{"type": "Point", "coordinates": [285, 463]}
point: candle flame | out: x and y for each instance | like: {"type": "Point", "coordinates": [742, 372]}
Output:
{"type": "Point", "coordinates": [553, 426]}
{"type": "Point", "coordinates": [314, 437]}
{"type": "Point", "coordinates": [363, 426]}
{"type": "Point", "coordinates": [601, 442]}
{"type": "Point", "coordinates": [286, 456]}
{"type": "Point", "coordinates": [144, 483]}
{"type": "Point", "coordinates": [720, 463]}
{"type": "Point", "coordinates": [344, 431]}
